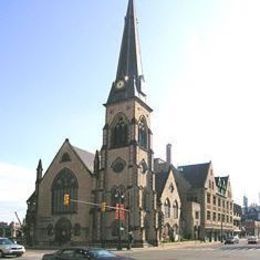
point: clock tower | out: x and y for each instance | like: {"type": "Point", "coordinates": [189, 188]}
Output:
{"type": "Point", "coordinates": [124, 175]}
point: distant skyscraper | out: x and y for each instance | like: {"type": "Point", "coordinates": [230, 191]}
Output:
{"type": "Point", "coordinates": [245, 203]}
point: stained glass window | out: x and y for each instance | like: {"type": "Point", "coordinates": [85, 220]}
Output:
{"type": "Point", "coordinates": [120, 133]}
{"type": "Point", "coordinates": [64, 183]}
{"type": "Point", "coordinates": [142, 133]}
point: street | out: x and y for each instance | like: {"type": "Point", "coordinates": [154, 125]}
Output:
{"type": "Point", "coordinates": [241, 251]}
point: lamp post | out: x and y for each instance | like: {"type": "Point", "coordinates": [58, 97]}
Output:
{"type": "Point", "coordinates": [221, 229]}
{"type": "Point", "coordinates": [119, 196]}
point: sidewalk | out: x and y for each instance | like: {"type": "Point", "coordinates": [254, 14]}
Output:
{"type": "Point", "coordinates": [189, 244]}
{"type": "Point", "coordinates": [172, 245]}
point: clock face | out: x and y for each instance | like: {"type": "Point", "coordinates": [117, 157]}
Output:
{"type": "Point", "coordinates": [120, 84]}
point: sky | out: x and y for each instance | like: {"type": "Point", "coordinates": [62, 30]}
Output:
{"type": "Point", "coordinates": [58, 59]}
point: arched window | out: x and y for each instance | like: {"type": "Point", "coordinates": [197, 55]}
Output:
{"type": "Point", "coordinates": [64, 183]}
{"type": "Point", "coordinates": [167, 208]}
{"type": "Point", "coordinates": [142, 133]}
{"type": "Point", "coordinates": [175, 209]}
{"type": "Point", "coordinates": [119, 134]}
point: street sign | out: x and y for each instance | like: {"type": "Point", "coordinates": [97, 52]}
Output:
{"type": "Point", "coordinates": [120, 211]}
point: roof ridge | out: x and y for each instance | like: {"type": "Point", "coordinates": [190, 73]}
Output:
{"type": "Point", "coordinates": [78, 148]}
{"type": "Point", "coordinates": [195, 164]}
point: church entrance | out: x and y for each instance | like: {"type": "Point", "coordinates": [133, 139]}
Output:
{"type": "Point", "coordinates": [63, 231]}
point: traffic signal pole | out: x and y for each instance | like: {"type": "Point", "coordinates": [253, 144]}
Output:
{"type": "Point", "coordinates": [103, 206]}
{"type": "Point", "coordinates": [98, 205]}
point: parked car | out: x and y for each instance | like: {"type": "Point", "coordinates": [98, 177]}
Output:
{"type": "Point", "coordinates": [78, 253]}
{"type": "Point", "coordinates": [9, 247]}
{"type": "Point", "coordinates": [252, 240]}
{"type": "Point", "coordinates": [231, 240]}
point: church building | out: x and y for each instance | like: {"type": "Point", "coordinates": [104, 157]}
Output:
{"type": "Point", "coordinates": [120, 174]}
{"type": "Point", "coordinates": [121, 189]}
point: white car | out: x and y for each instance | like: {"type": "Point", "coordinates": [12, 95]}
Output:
{"type": "Point", "coordinates": [8, 247]}
{"type": "Point", "coordinates": [252, 240]}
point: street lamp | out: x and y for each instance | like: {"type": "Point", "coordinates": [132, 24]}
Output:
{"type": "Point", "coordinates": [119, 196]}
{"type": "Point", "coordinates": [221, 228]}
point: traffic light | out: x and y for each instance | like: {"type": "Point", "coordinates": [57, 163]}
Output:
{"type": "Point", "coordinates": [66, 200]}
{"type": "Point", "coordinates": [103, 206]}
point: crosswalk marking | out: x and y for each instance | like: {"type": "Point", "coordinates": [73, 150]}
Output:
{"type": "Point", "coordinates": [226, 249]}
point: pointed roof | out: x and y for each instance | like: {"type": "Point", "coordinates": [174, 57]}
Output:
{"type": "Point", "coordinates": [162, 176]}
{"type": "Point", "coordinates": [160, 180]}
{"type": "Point", "coordinates": [39, 167]}
{"type": "Point", "coordinates": [129, 69]}
{"type": "Point", "coordinates": [86, 157]}
{"type": "Point", "coordinates": [195, 174]}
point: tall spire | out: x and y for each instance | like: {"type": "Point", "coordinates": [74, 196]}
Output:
{"type": "Point", "coordinates": [129, 77]}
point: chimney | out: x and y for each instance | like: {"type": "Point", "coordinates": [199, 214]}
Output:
{"type": "Point", "coordinates": [169, 153]}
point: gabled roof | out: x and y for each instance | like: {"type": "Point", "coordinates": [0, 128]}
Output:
{"type": "Point", "coordinates": [161, 177]}
{"type": "Point", "coordinates": [86, 157]}
{"type": "Point", "coordinates": [195, 174]}
{"type": "Point", "coordinates": [32, 197]}
{"type": "Point", "coordinates": [160, 181]}
{"type": "Point", "coordinates": [182, 184]}
{"type": "Point", "coordinates": [237, 209]}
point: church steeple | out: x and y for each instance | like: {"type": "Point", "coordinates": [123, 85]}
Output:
{"type": "Point", "coordinates": [129, 78]}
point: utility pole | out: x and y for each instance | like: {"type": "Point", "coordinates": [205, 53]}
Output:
{"type": "Point", "coordinates": [102, 233]}
{"type": "Point", "coordinates": [20, 223]}
{"type": "Point", "coordinates": [221, 228]}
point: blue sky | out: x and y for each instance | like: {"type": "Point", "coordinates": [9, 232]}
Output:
{"type": "Point", "coordinates": [58, 59]}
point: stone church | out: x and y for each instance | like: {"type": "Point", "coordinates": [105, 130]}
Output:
{"type": "Point", "coordinates": [151, 193]}
{"type": "Point", "coordinates": [121, 173]}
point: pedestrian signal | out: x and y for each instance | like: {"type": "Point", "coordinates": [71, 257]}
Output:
{"type": "Point", "coordinates": [66, 200]}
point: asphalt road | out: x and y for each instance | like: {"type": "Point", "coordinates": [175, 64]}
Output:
{"type": "Point", "coordinates": [241, 251]}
